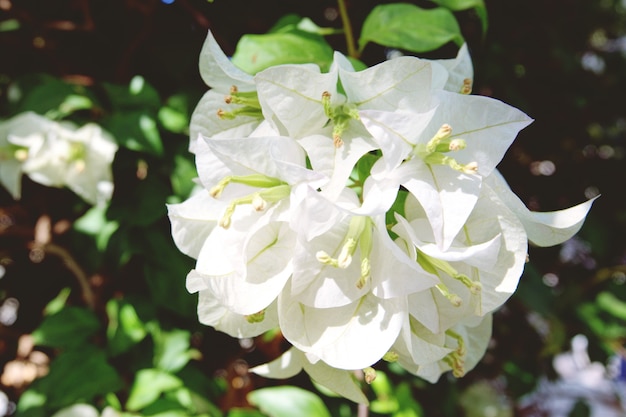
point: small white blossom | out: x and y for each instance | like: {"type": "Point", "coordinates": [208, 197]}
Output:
{"type": "Point", "coordinates": [61, 154]}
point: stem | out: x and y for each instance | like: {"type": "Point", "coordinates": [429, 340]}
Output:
{"type": "Point", "coordinates": [347, 29]}
{"type": "Point", "coordinates": [363, 410]}
{"type": "Point", "coordinates": [73, 266]}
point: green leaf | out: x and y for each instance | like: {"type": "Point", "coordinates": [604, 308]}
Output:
{"type": "Point", "coordinates": [171, 349]}
{"type": "Point", "coordinates": [165, 271]}
{"type": "Point", "coordinates": [611, 304]}
{"type": "Point", "coordinates": [258, 52]}
{"type": "Point", "coordinates": [406, 26]}
{"type": "Point", "coordinates": [385, 402]}
{"type": "Point", "coordinates": [77, 375]}
{"type": "Point", "coordinates": [125, 329]}
{"type": "Point", "coordinates": [175, 115]}
{"type": "Point", "coordinates": [9, 25]}
{"type": "Point", "coordinates": [408, 407]}
{"type": "Point", "coordinates": [137, 95]}
{"type": "Point", "coordinates": [244, 412]}
{"type": "Point", "coordinates": [57, 303]}
{"type": "Point", "coordinates": [288, 401]}
{"type": "Point", "coordinates": [478, 5]}
{"type": "Point", "coordinates": [47, 94]}
{"type": "Point", "coordinates": [69, 327]}
{"type": "Point", "coordinates": [31, 403]}
{"type": "Point", "coordinates": [148, 386]}
{"type": "Point", "coordinates": [95, 223]}
{"type": "Point", "coordinates": [182, 176]}
{"type": "Point", "coordinates": [135, 130]}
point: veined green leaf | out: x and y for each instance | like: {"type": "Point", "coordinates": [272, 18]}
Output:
{"type": "Point", "coordinates": [409, 27]}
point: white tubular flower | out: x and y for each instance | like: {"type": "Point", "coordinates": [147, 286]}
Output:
{"type": "Point", "coordinates": [479, 271]}
{"type": "Point", "coordinates": [62, 154]}
{"type": "Point", "coordinates": [230, 107]}
{"type": "Point", "coordinates": [446, 179]}
{"type": "Point", "coordinates": [458, 349]}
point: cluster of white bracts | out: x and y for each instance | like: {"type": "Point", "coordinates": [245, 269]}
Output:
{"type": "Point", "coordinates": [358, 211]}
{"type": "Point", "coordinates": [56, 155]}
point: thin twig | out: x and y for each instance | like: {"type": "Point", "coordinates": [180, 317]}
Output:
{"type": "Point", "coordinates": [347, 29]}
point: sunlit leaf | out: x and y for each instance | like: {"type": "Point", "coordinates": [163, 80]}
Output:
{"type": "Point", "coordinates": [148, 386]}
{"type": "Point", "coordinates": [257, 52]}
{"type": "Point", "coordinates": [125, 328]}
{"type": "Point", "coordinates": [406, 26]}
{"type": "Point", "coordinates": [288, 401]}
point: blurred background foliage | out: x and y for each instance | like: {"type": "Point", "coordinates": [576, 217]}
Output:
{"type": "Point", "coordinates": [93, 306]}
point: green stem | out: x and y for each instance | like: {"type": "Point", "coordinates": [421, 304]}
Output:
{"type": "Point", "coordinates": [347, 29]}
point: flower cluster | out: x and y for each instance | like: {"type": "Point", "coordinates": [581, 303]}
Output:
{"type": "Point", "coordinates": [56, 154]}
{"type": "Point", "coordinates": [360, 212]}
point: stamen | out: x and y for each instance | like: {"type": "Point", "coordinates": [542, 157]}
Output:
{"type": "Point", "coordinates": [457, 145]}
{"type": "Point", "coordinates": [345, 256]}
{"type": "Point", "coordinates": [456, 359]}
{"type": "Point", "coordinates": [453, 298]}
{"type": "Point", "coordinates": [369, 375]}
{"type": "Point", "coordinates": [467, 86]}
{"type": "Point", "coordinates": [21, 155]}
{"type": "Point", "coordinates": [434, 265]}
{"type": "Point", "coordinates": [444, 132]}
{"type": "Point", "coordinates": [258, 203]}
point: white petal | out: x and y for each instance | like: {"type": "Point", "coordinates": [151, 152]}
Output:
{"type": "Point", "coordinates": [287, 365]}
{"type": "Point", "coordinates": [193, 220]}
{"type": "Point", "coordinates": [489, 126]}
{"type": "Point", "coordinates": [318, 285]}
{"type": "Point", "coordinates": [401, 83]}
{"type": "Point", "coordinates": [211, 312]}
{"type": "Point", "coordinates": [249, 270]}
{"type": "Point", "coordinates": [394, 274]}
{"type": "Point", "coordinates": [446, 195]}
{"type": "Point", "coordinates": [293, 94]}
{"type": "Point", "coordinates": [293, 361]}
{"type": "Point", "coordinates": [350, 337]}
{"type": "Point", "coordinates": [205, 122]}
{"type": "Point", "coordinates": [395, 133]}
{"type": "Point", "coordinates": [543, 229]}
{"type": "Point", "coordinates": [458, 69]}
{"type": "Point", "coordinates": [218, 71]}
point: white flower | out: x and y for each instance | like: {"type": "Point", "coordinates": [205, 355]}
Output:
{"type": "Point", "coordinates": [359, 212]}
{"type": "Point", "coordinates": [479, 271]}
{"type": "Point", "coordinates": [229, 85]}
{"type": "Point", "coordinates": [446, 152]}
{"type": "Point", "coordinates": [62, 154]}
{"type": "Point", "coordinates": [458, 349]}
{"type": "Point", "coordinates": [308, 106]}
{"type": "Point", "coordinates": [17, 136]}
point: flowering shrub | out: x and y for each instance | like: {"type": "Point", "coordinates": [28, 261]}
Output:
{"type": "Point", "coordinates": [360, 212]}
